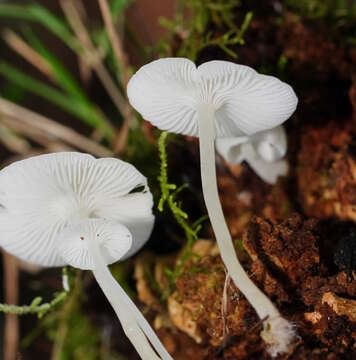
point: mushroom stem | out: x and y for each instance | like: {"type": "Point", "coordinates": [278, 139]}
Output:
{"type": "Point", "coordinates": [133, 322]}
{"type": "Point", "coordinates": [128, 322]}
{"type": "Point", "coordinates": [274, 324]}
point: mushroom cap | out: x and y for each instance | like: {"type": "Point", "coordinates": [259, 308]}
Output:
{"type": "Point", "coordinates": [267, 171]}
{"type": "Point", "coordinates": [115, 241]}
{"type": "Point", "coordinates": [42, 195]}
{"type": "Point", "coordinates": [263, 152]}
{"type": "Point", "coordinates": [231, 148]}
{"type": "Point", "coordinates": [167, 92]}
{"type": "Point", "coordinates": [271, 144]}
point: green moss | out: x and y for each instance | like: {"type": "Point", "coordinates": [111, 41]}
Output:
{"type": "Point", "coordinates": [191, 27]}
{"type": "Point", "coordinates": [169, 192]}
{"type": "Point", "coordinates": [323, 9]}
{"type": "Point", "coordinates": [239, 244]}
{"type": "Point", "coordinates": [36, 306]}
{"type": "Point", "coordinates": [338, 15]}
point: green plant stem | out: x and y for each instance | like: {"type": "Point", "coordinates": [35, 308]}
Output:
{"type": "Point", "coordinates": [168, 195]}
{"type": "Point", "coordinates": [36, 306]}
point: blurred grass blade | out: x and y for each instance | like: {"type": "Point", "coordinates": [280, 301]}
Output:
{"type": "Point", "coordinates": [72, 106]}
{"type": "Point", "coordinates": [46, 131]}
{"type": "Point", "coordinates": [62, 76]}
{"type": "Point", "coordinates": [13, 141]}
{"type": "Point", "coordinates": [40, 14]}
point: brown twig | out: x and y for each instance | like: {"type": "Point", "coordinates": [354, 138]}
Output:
{"type": "Point", "coordinates": [12, 141]}
{"type": "Point", "coordinates": [11, 279]}
{"type": "Point", "coordinates": [94, 59]}
{"type": "Point", "coordinates": [91, 55]}
{"type": "Point", "coordinates": [116, 42]}
{"type": "Point", "coordinates": [50, 128]}
{"type": "Point", "coordinates": [27, 52]}
{"type": "Point", "coordinates": [85, 71]}
{"type": "Point", "coordinates": [30, 132]}
{"type": "Point", "coordinates": [125, 73]}
{"type": "Point", "coordinates": [35, 59]}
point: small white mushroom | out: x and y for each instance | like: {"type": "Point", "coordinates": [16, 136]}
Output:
{"type": "Point", "coordinates": [114, 241]}
{"type": "Point", "coordinates": [217, 99]}
{"type": "Point", "coordinates": [263, 151]}
{"type": "Point", "coordinates": [70, 208]}
{"type": "Point", "coordinates": [271, 144]}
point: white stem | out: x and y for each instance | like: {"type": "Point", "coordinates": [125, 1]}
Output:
{"type": "Point", "coordinates": [143, 323]}
{"type": "Point", "coordinates": [260, 302]}
{"type": "Point", "coordinates": [130, 317]}
{"type": "Point", "coordinates": [128, 322]}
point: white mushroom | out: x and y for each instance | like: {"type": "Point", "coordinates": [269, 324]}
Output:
{"type": "Point", "coordinates": [114, 240]}
{"type": "Point", "coordinates": [217, 99]}
{"type": "Point", "coordinates": [70, 208]}
{"type": "Point", "coordinates": [263, 151]}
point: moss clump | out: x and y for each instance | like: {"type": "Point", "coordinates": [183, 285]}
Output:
{"type": "Point", "coordinates": [191, 34]}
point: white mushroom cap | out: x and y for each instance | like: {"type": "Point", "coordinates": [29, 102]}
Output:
{"type": "Point", "coordinates": [42, 195]}
{"type": "Point", "coordinates": [167, 92]}
{"type": "Point", "coordinates": [271, 144]}
{"type": "Point", "coordinates": [263, 151]}
{"type": "Point", "coordinates": [231, 148]}
{"type": "Point", "coordinates": [115, 241]}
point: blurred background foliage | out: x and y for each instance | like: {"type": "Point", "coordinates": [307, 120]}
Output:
{"type": "Point", "coordinates": [338, 15]}
{"type": "Point", "coordinates": [63, 79]}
